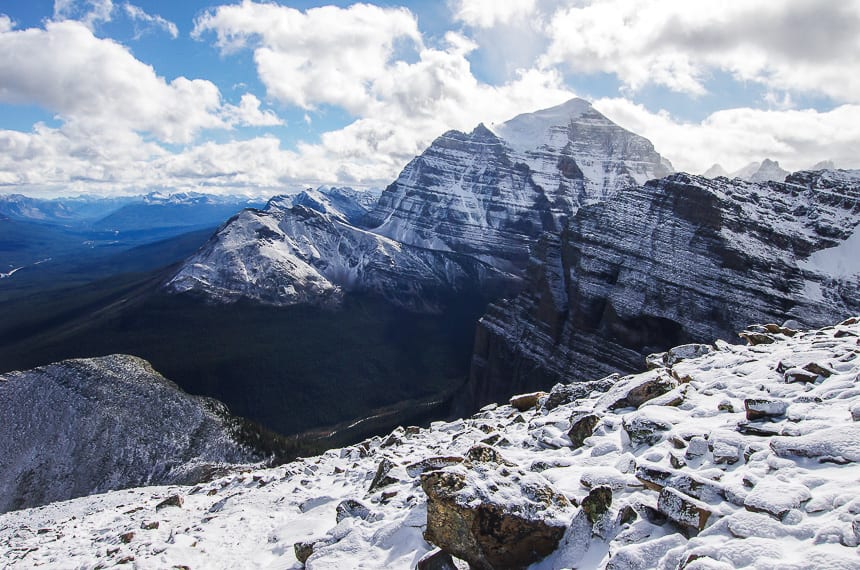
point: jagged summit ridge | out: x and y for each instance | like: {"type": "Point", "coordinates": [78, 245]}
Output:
{"type": "Point", "coordinates": [290, 254]}
{"type": "Point", "coordinates": [491, 193]}
{"type": "Point", "coordinates": [720, 456]}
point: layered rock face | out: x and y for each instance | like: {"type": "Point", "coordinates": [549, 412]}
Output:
{"type": "Point", "coordinates": [88, 426]}
{"type": "Point", "coordinates": [682, 259]}
{"type": "Point", "coordinates": [290, 254]}
{"type": "Point", "coordinates": [491, 195]}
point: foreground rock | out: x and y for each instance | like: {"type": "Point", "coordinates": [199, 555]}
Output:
{"type": "Point", "coordinates": [714, 491]}
{"type": "Point", "coordinates": [493, 516]}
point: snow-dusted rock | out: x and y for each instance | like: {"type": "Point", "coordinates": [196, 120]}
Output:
{"type": "Point", "coordinates": [678, 260]}
{"type": "Point", "coordinates": [493, 516]}
{"type": "Point", "coordinates": [491, 193]}
{"type": "Point", "coordinates": [254, 518]}
{"type": "Point", "coordinates": [92, 425]}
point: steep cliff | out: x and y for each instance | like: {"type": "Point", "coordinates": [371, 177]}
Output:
{"type": "Point", "coordinates": [677, 260]}
{"type": "Point", "coordinates": [491, 194]}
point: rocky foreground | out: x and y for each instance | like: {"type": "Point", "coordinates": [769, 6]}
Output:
{"type": "Point", "coordinates": [720, 456]}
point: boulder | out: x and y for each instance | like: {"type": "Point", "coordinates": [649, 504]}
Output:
{"type": "Point", "coordinates": [582, 425]}
{"type": "Point", "coordinates": [644, 556]}
{"type": "Point", "coordinates": [303, 550]}
{"type": "Point", "coordinates": [525, 402]}
{"type": "Point", "coordinates": [764, 408]}
{"type": "Point", "coordinates": [436, 559]}
{"type": "Point", "coordinates": [686, 352]}
{"type": "Point", "coordinates": [493, 516]}
{"type": "Point", "coordinates": [171, 501]}
{"type": "Point", "coordinates": [597, 502]}
{"type": "Point", "coordinates": [381, 479]}
{"type": "Point", "coordinates": [351, 508]}
{"type": "Point", "coordinates": [644, 429]}
{"type": "Point", "coordinates": [483, 453]}
{"type": "Point", "coordinates": [775, 497]}
{"type": "Point", "coordinates": [633, 391]}
{"type": "Point", "coordinates": [683, 509]}
{"type": "Point", "coordinates": [431, 464]}
{"type": "Point", "coordinates": [841, 444]}
{"type": "Point", "coordinates": [562, 394]}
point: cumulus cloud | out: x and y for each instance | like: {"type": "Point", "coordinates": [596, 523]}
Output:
{"type": "Point", "coordinates": [374, 63]}
{"type": "Point", "coordinates": [148, 22]}
{"type": "Point", "coordinates": [89, 12]}
{"type": "Point", "coordinates": [98, 83]}
{"type": "Point", "coordinates": [248, 113]}
{"type": "Point", "coordinates": [322, 56]}
{"type": "Point", "coordinates": [489, 13]}
{"type": "Point", "coordinates": [795, 45]}
{"type": "Point", "coordinates": [734, 137]}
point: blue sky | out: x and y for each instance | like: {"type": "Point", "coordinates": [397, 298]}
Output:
{"type": "Point", "coordinates": [115, 96]}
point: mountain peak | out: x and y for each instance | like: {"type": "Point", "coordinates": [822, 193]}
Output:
{"type": "Point", "coordinates": [527, 131]}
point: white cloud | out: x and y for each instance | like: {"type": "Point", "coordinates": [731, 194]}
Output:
{"type": "Point", "coordinates": [6, 23]}
{"type": "Point", "coordinates": [89, 12]}
{"type": "Point", "coordinates": [793, 45]}
{"type": "Point", "coordinates": [734, 137]}
{"type": "Point", "coordinates": [149, 21]}
{"type": "Point", "coordinates": [325, 55]}
{"type": "Point", "coordinates": [490, 13]}
{"type": "Point", "coordinates": [374, 63]}
{"type": "Point", "coordinates": [248, 113]}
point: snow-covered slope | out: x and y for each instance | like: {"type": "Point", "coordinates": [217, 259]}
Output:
{"type": "Point", "coordinates": [87, 426]}
{"type": "Point", "coordinates": [348, 204]}
{"type": "Point", "coordinates": [719, 457]}
{"type": "Point", "coordinates": [290, 254]}
{"type": "Point", "coordinates": [491, 193]}
{"type": "Point", "coordinates": [681, 259]}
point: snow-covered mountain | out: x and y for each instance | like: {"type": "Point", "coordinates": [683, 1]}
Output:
{"type": "Point", "coordinates": [492, 192]}
{"type": "Point", "coordinates": [290, 254]}
{"type": "Point", "coordinates": [767, 170]}
{"type": "Point", "coordinates": [350, 205]}
{"type": "Point", "coordinates": [87, 426]}
{"type": "Point", "coordinates": [681, 259]}
{"type": "Point", "coordinates": [721, 456]}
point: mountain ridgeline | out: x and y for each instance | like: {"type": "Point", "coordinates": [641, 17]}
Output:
{"type": "Point", "coordinates": [333, 305]}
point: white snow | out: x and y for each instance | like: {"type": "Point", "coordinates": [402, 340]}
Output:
{"type": "Point", "coordinates": [805, 486]}
{"type": "Point", "coordinates": [840, 261]}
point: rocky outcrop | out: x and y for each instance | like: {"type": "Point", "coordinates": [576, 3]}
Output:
{"type": "Point", "coordinates": [292, 254]}
{"type": "Point", "coordinates": [678, 260]}
{"type": "Point", "coordinates": [88, 426]}
{"type": "Point", "coordinates": [492, 515]}
{"type": "Point", "coordinates": [492, 193]}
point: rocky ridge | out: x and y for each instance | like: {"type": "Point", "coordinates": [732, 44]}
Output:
{"type": "Point", "coordinates": [464, 213]}
{"type": "Point", "coordinates": [720, 456]}
{"type": "Point", "coordinates": [87, 426]}
{"type": "Point", "coordinates": [492, 192]}
{"type": "Point", "coordinates": [306, 251]}
{"type": "Point", "coordinates": [681, 259]}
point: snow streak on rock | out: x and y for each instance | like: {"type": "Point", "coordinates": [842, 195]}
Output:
{"type": "Point", "coordinates": [681, 259]}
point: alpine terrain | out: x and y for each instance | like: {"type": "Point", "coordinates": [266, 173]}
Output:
{"type": "Point", "coordinates": [720, 456]}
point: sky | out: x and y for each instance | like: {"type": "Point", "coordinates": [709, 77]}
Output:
{"type": "Point", "coordinates": [116, 97]}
